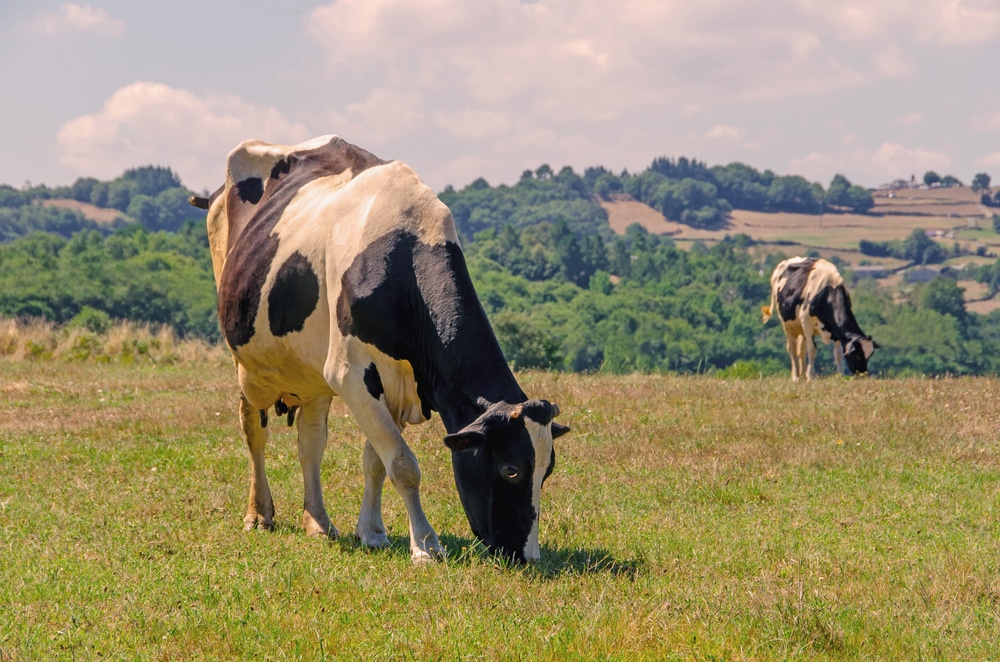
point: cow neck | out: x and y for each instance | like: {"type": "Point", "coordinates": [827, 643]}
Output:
{"type": "Point", "coordinates": [463, 361]}
{"type": "Point", "coordinates": [441, 328]}
{"type": "Point", "coordinates": [842, 323]}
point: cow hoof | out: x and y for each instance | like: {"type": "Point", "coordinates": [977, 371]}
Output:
{"type": "Point", "coordinates": [433, 551]}
{"type": "Point", "coordinates": [257, 522]}
{"type": "Point", "coordinates": [318, 529]}
{"type": "Point", "coordinates": [331, 533]}
{"type": "Point", "coordinates": [420, 556]}
{"type": "Point", "coordinates": [373, 540]}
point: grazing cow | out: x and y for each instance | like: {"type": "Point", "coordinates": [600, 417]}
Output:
{"type": "Point", "coordinates": [341, 274]}
{"type": "Point", "coordinates": [810, 298]}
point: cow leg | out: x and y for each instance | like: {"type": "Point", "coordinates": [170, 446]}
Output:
{"type": "Point", "coordinates": [399, 462]}
{"type": "Point", "coordinates": [260, 506]}
{"type": "Point", "coordinates": [792, 345]}
{"type": "Point", "coordinates": [838, 356]}
{"type": "Point", "coordinates": [371, 530]}
{"type": "Point", "coordinates": [312, 433]}
{"type": "Point", "coordinates": [810, 356]}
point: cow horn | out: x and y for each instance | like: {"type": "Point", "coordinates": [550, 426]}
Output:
{"type": "Point", "coordinates": [198, 201]}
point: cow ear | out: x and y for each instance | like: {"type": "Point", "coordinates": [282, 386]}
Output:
{"type": "Point", "coordinates": [464, 439]}
{"type": "Point", "coordinates": [558, 429]}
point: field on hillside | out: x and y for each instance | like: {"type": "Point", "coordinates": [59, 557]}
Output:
{"type": "Point", "coordinates": [687, 518]}
{"type": "Point", "coordinates": [954, 214]}
{"type": "Point", "coordinates": [93, 212]}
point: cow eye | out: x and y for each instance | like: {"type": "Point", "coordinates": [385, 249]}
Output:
{"type": "Point", "coordinates": [510, 473]}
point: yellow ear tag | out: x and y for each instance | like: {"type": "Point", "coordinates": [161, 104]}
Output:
{"type": "Point", "coordinates": [516, 412]}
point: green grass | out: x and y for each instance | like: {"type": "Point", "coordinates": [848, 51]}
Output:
{"type": "Point", "coordinates": [687, 518]}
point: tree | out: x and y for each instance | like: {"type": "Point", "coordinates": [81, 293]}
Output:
{"type": "Point", "coordinates": [981, 182]}
{"type": "Point", "coordinates": [950, 180]}
{"type": "Point", "coordinates": [794, 194]}
{"type": "Point", "coordinates": [859, 199]}
{"type": "Point", "coordinates": [931, 178]}
{"type": "Point", "coordinates": [844, 194]}
{"type": "Point", "coordinates": [151, 180]}
{"type": "Point", "coordinates": [942, 295]}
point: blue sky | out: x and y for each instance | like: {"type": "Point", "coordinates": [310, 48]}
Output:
{"type": "Point", "coordinates": [873, 89]}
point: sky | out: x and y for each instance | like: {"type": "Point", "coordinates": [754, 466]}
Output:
{"type": "Point", "coordinates": [461, 89]}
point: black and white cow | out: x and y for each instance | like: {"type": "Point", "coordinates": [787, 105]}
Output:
{"type": "Point", "coordinates": [341, 274]}
{"type": "Point", "coordinates": [810, 298]}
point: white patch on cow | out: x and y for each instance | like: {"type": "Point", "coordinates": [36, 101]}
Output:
{"type": "Point", "coordinates": [541, 440]}
{"type": "Point", "coordinates": [868, 346]}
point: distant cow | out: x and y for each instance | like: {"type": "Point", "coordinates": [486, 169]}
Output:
{"type": "Point", "coordinates": [341, 274]}
{"type": "Point", "coordinates": [810, 298]}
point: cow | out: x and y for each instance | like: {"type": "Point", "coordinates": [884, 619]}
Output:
{"type": "Point", "coordinates": [341, 274]}
{"type": "Point", "coordinates": [809, 296]}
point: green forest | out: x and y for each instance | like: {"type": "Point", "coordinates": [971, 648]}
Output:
{"type": "Point", "coordinates": [563, 291]}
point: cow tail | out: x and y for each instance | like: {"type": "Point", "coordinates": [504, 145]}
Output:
{"type": "Point", "coordinates": [769, 310]}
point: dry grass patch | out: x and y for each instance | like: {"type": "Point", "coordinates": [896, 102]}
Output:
{"type": "Point", "coordinates": [92, 212]}
{"type": "Point", "coordinates": [127, 342]}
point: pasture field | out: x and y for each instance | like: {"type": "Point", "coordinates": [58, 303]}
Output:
{"type": "Point", "coordinates": [687, 518]}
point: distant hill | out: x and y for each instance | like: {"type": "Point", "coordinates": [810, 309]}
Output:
{"type": "Point", "coordinates": [88, 210]}
{"type": "Point", "coordinates": [951, 217]}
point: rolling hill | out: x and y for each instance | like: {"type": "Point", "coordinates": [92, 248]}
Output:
{"type": "Point", "coordinates": [950, 216]}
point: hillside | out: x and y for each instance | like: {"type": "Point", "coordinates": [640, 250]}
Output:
{"type": "Point", "coordinates": [89, 211]}
{"type": "Point", "coordinates": [954, 215]}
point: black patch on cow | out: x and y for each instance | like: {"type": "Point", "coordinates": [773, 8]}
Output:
{"type": "Point", "coordinates": [293, 296]}
{"type": "Point", "coordinates": [373, 382]}
{"type": "Point", "coordinates": [252, 250]}
{"type": "Point", "coordinates": [415, 302]}
{"type": "Point", "coordinates": [790, 295]}
{"type": "Point", "coordinates": [280, 168]}
{"type": "Point", "coordinates": [251, 189]}
{"type": "Point", "coordinates": [240, 290]}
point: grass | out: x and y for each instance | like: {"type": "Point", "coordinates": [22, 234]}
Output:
{"type": "Point", "coordinates": [687, 518]}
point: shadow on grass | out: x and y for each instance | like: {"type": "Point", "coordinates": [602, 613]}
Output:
{"type": "Point", "coordinates": [555, 562]}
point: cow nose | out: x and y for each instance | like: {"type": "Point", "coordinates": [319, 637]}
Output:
{"type": "Point", "coordinates": [515, 555]}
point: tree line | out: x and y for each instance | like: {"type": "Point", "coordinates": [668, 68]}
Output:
{"type": "Point", "coordinates": [683, 190]}
{"type": "Point", "coordinates": [557, 302]}
{"type": "Point", "coordinates": [563, 291]}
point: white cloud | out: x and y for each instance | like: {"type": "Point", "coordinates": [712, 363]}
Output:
{"type": "Point", "coordinates": [473, 124]}
{"type": "Point", "coordinates": [584, 60]}
{"type": "Point", "coordinates": [150, 123]}
{"type": "Point", "coordinates": [989, 122]}
{"type": "Point", "coordinates": [991, 160]}
{"type": "Point", "coordinates": [935, 21]}
{"type": "Point", "coordinates": [733, 136]}
{"type": "Point", "coordinates": [893, 62]}
{"type": "Point", "coordinates": [870, 167]}
{"type": "Point", "coordinates": [72, 17]}
{"type": "Point", "coordinates": [725, 132]}
{"type": "Point", "coordinates": [909, 119]}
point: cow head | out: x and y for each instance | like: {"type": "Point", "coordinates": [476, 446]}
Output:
{"type": "Point", "coordinates": [857, 352]}
{"type": "Point", "coordinates": [500, 461]}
